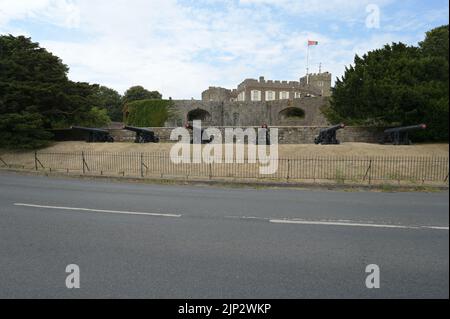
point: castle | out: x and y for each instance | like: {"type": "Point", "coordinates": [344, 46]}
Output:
{"type": "Point", "coordinates": [254, 102]}
{"type": "Point", "coordinates": [262, 90]}
{"type": "Point", "coordinates": [294, 107]}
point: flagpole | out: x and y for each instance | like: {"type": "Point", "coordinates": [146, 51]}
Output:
{"type": "Point", "coordinates": [307, 65]}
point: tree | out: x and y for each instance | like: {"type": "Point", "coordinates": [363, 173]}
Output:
{"type": "Point", "coordinates": [23, 131]}
{"type": "Point", "coordinates": [397, 85]}
{"type": "Point", "coordinates": [435, 49]}
{"type": "Point", "coordinates": [436, 43]}
{"type": "Point", "coordinates": [76, 103]}
{"type": "Point", "coordinates": [136, 93]}
{"type": "Point", "coordinates": [95, 117]}
{"type": "Point", "coordinates": [31, 79]}
{"type": "Point", "coordinates": [110, 100]}
{"type": "Point", "coordinates": [34, 86]}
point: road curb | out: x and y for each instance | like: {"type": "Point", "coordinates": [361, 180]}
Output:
{"type": "Point", "coordinates": [237, 183]}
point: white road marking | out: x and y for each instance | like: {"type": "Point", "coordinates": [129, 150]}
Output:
{"type": "Point", "coordinates": [437, 227]}
{"type": "Point", "coordinates": [276, 221]}
{"type": "Point", "coordinates": [97, 210]}
{"type": "Point", "coordinates": [338, 223]}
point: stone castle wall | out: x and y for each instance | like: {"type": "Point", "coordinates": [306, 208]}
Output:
{"type": "Point", "coordinates": [297, 129]}
{"type": "Point", "coordinates": [247, 113]}
{"type": "Point", "coordinates": [286, 134]}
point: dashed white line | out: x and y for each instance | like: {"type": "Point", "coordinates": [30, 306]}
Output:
{"type": "Point", "coordinates": [97, 210]}
{"type": "Point", "coordinates": [437, 227]}
{"type": "Point", "coordinates": [275, 221]}
{"type": "Point", "coordinates": [337, 223]}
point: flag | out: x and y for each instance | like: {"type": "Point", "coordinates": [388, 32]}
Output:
{"type": "Point", "coordinates": [312, 42]}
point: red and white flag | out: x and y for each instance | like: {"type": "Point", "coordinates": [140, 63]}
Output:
{"type": "Point", "coordinates": [312, 42]}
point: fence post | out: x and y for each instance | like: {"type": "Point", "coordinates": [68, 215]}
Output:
{"type": "Point", "coordinates": [142, 165]}
{"type": "Point", "coordinates": [288, 169]}
{"type": "Point", "coordinates": [4, 163]}
{"type": "Point", "coordinates": [315, 162]}
{"type": "Point", "coordinates": [35, 161]}
{"type": "Point", "coordinates": [369, 172]}
{"type": "Point", "coordinates": [210, 171]}
{"type": "Point", "coordinates": [82, 157]}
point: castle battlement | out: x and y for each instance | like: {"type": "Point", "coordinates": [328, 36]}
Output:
{"type": "Point", "coordinates": [317, 84]}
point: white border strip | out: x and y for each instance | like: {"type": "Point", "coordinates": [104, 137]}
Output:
{"type": "Point", "coordinates": [96, 210]}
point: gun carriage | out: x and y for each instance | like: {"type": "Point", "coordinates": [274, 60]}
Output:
{"type": "Point", "coordinates": [143, 135]}
{"type": "Point", "coordinates": [95, 135]}
{"type": "Point", "coordinates": [327, 136]}
{"type": "Point", "coordinates": [400, 135]}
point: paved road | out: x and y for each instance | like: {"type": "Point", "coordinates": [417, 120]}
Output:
{"type": "Point", "coordinates": [154, 241]}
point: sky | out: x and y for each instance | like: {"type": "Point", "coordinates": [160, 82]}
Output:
{"type": "Point", "coordinates": [180, 48]}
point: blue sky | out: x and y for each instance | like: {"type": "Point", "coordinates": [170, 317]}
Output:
{"type": "Point", "coordinates": [182, 47]}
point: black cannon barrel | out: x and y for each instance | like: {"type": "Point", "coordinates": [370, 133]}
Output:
{"type": "Point", "coordinates": [95, 135]}
{"type": "Point", "coordinates": [335, 127]}
{"type": "Point", "coordinates": [90, 129]}
{"type": "Point", "coordinates": [328, 135]}
{"type": "Point", "coordinates": [406, 128]}
{"type": "Point", "coordinates": [136, 129]}
{"type": "Point", "coordinates": [143, 135]}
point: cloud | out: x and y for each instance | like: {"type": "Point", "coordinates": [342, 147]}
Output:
{"type": "Point", "coordinates": [333, 8]}
{"type": "Point", "coordinates": [182, 47]}
{"type": "Point", "coordinates": [62, 13]}
{"type": "Point", "coordinates": [175, 49]}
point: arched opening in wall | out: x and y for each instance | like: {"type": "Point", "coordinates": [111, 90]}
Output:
{"type": "Point", "coordinates": [199, 114]}
{"type": "Point", "coordinates": [292, 113]}
{"type": "Point", "coordinates": [291, 116]}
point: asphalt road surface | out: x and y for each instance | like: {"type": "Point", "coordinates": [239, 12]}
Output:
{"type": "Point", "coordinates": [153, 241]}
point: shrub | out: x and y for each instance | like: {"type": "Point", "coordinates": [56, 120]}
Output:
{"type": "Point", "coordinates": [148, 113]}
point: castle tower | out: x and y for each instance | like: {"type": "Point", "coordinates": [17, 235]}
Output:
{"type": "Point", "coordinates": [319, 81]}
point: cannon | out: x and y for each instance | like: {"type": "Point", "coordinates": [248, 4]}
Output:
{"type": "Point", "coordinates": [328, 135]}
{"type": "Point", "coordinates": [95, 135]}
{"type": "Point", "coordinates": [202, 141]}
{"type": "Point", "coordinates": [143, 135]}
{"type": "Point", "coordinates": [400, 135]}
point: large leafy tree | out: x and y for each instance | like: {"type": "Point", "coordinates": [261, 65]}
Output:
{"type": "Point", "coordinates": [436, 43]}
{"type": "Point", "coordinates": [397, 85]}
{"type": "Point", "coordinates": [435, 49]}
{"type": "Point", "coordinates": [31, 79]}
{"type": "Point", "coordinates": [137, 93]}
{"type": "Point", "coordinates": [35, 89]}
{"type": "Point", "coordinates": [22, 130]}
{"type": "Point", "coordinates": [110, 100]}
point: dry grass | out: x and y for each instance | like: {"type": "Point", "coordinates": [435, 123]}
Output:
{"type": "Point", "coordinates": [285, 150]}
{"type": "Point", "coordinates": [349, 162]}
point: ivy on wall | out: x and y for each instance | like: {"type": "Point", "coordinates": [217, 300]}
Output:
{"type": "Point", "coordinates": [148, 113]}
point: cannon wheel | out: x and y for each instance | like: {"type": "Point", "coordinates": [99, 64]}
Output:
{"type": "Point", "coordinates": [140, 139]}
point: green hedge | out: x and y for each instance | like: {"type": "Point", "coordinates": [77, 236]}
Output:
{"type": "Point", "coordinates": [148, 113]}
